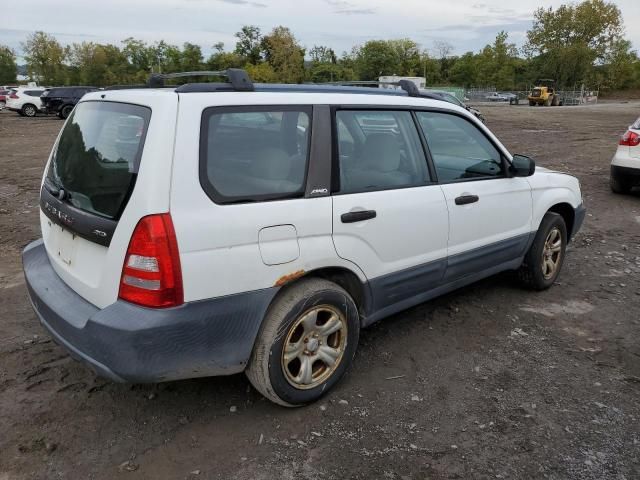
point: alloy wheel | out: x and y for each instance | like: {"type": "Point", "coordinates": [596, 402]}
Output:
{"type": "Point", "coordinates": [314, 347]}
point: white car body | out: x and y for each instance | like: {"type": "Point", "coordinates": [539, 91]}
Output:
{"type": "Point", "coordinates": [26, 96]}
{"type": "Point", "coordinates": [625, 164]}
{"type": "Point", "coordinates": [419, 235]}
{"type": "Point", "coordinates": [96, 275]}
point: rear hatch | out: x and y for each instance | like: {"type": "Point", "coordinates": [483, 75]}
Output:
{"type": "Point", "coordinates": [93, 172]}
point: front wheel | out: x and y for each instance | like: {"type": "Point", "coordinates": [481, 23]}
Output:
{"type": "Point", "coordinates": [307, 341]}
{"type": "Point", "coordinates": [543, 261]}
{"type": "Point", "coordinates": [29, 110]}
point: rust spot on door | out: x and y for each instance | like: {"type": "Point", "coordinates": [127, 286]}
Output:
{"type": "Point", "coordinates": [283, 280]}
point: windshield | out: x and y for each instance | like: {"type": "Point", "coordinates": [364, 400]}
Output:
{"type": "Point", "coordinates": [95, 163]}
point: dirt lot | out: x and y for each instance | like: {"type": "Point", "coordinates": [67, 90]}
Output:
{"type": "Point", "coordinates": [492, 382]}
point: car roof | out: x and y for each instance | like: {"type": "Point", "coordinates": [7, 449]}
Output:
{"type": "Point", "coordinates": [277, 95]}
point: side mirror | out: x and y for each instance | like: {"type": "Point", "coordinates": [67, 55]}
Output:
{"type": "Point", "coordinates": [522, 166]}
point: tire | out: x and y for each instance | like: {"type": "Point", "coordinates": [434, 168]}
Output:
{"type": "Point", "coordinates": [29, 110]}
{"type": "Point", "coordinates": [532, 103]}
{"type": "Point", "coordinates": [66, 111]}
{"type": "Point", "coordinates": [556, 101]}
{"type": "Point", "coordinates": [535, 272]}
{"type": "Point", "coordinates": [285, 324]}
{"type": "Point", "coordinates": [619, 185]}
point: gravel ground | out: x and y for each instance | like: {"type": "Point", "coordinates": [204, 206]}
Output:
{"type": "Point", "coordinates": [493, 381]}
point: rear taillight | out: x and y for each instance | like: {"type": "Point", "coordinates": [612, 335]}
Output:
{"type": "Point", "coordinates": [151, 275]}
{"type": "Point", "coordinates": [630, 139]}
{"type": "Point", "coordinates": [14, 96]}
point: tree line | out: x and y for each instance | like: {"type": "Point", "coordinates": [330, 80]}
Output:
{"type": "Point", "coordinates": [573, 44]}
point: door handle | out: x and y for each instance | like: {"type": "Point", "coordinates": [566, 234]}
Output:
{"type": "Point", "coordinates": [359, 216]}
{"type": "Point", "coordinates": [466, 199]}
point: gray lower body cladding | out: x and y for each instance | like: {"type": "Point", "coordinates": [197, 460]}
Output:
{"type": "Point", "coordinates": [126, 342]}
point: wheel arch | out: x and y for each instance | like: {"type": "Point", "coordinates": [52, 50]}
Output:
{"type": "Point", "coordinates": [343, 277]}
{"type": "Point", "coordinates": [568, 214]}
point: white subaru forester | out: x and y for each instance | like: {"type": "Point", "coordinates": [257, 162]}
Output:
{"type": "Point", "coordinates": [215, 228]}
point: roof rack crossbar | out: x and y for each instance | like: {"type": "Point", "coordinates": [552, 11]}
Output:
{"type": "Point", "coordinates": [237, 77]}
{"type": "Point", "coordinates": [406, 85]}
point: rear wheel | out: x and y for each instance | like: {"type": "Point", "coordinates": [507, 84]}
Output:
{"type": "Point", "coordinates": [532, 103]}
{"type": "Point", "coordinates": [306, 343]}
{"type": "Point", "coordinates": [66, 111]}
{"type": "Point", "coordinates": [556, 101]}
{"type": "Point", "coordinates": [619, 185]}
{"type": "Point", "coordinates": [29, 110]}
{"type": "Point", "coordinates": [543, 261]}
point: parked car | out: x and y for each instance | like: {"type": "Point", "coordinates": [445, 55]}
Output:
{"type": "Point", "coordinates": [215, 228]}
{"type": "Point", "coordinates": [496, 97]}
{"type": "Point", "coordinates": [3, 98]}
{"type": "Point", "coordinates": [25, 100]}
{"type": "Point", "coordinates": [625, 165]}
{"type": "Point", "coordinates": [449, 97]}
{"type": "Point", "coordinates": [61, 100]}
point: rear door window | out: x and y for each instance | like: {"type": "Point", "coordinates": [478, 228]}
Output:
{"type": "Point", "coordinates": [97, 158]}
{"type": "Point", "coordinates": [254, 154]}
{"type": "Point", "coordinates": [379, 150]}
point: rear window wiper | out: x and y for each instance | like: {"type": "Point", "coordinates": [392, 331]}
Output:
{"type": "Point", "coordinates": [58, 192]}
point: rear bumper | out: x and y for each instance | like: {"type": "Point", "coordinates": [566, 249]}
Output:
{"type": "Point", "coordinates": [627, 173]}
{"type": "Point", "coordinates": [126, 342]}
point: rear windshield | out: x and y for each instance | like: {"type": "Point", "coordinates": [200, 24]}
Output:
{"type": "Point", "coordinates": [97, 157]}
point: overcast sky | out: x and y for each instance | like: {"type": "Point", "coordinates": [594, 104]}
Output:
{"type": "Point", "coordinates": [465, 24]}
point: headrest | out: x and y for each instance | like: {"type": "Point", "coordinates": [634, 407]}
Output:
{"type": "Point", "coordinates": [272, 164]}
{"type": "Point", "coordinates": [381, 152]}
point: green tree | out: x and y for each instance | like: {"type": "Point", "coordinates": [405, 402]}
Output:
{"type": "Point", "coordinates": [45, 57]}
{"type": "Point", "coordinates": [261, 73]}
{"type": "Point", "coordinates": [191, 57]}
{"type": "Point", "coordinates": [496, 63]}
{"type": "Point", "coordinates": [322, 54]}
{"type": "Point", "coordinates": [375, 58]}
{"type": "Point", "coordinates": [8, 67]}
{"type": "Point", "coordinates": [140, 56]}
{"type": "Point", "coordinates": [407, 53]}
{"type": "Point", "coordinates": [284, 54]}
{"type": "Point", "coordinates": [465, 70]}
{"type": "Point", "coordinates": [249, 44]}
{"type": "Point", "coordinates": [570, 40]}
{"type": "Point", "coordinates": [619, 71]}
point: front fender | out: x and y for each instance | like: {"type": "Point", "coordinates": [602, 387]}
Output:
{"type": "Point", "coordinates": [552, 188]}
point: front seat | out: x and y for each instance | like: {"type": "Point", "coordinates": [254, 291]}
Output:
{"type": "Point", "coordinates": [378, 165]}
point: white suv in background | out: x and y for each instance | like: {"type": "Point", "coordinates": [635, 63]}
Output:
{"type": "Point", "coordinates": [216, 228]}
{"type": "Point", "coordinates": [25, 100]}
{"type": "Point", "coordinates": [625, 165]}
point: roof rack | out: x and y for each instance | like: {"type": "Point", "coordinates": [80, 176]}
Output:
{"type": "Point", "coordinates": [406, 85]}
{"type": "Point", "coordinates": [238, 78]}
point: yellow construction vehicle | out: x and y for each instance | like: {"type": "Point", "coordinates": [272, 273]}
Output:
{"type": "Point", "coordinates": [545, 94]}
